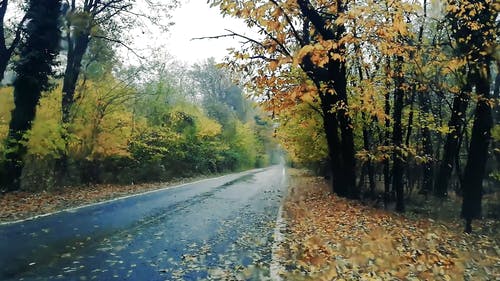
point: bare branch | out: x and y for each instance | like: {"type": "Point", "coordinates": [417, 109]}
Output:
{"type": "Point", "coordinates": [288, 19]}
{"type": "Point", "coordinates": [283, 48]}
{"type": "Point", "coordinates": [120, 43]}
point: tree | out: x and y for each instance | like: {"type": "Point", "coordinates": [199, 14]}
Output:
{"type": "Point", "coordinates": [34, 68]}
{"type": "Point", "coordinates": [475, 23]}
{"type": "Point", "coordinates": [331, 79]}
{"type": "Point", "coordinates": [6, 50]}
{"type": "Point", "coordinates": [220, 96]}
{"type": "Point", "coordinates": [318, 49]}
{"type": "Point", "coordinates": [370, 70]}
{"type": "Point", "coordinates": [95, 19]}
{"type": "Point", "coordinates": [86, 21]}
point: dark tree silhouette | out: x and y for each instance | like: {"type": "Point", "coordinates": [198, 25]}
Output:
{"type": "Point", "coordinates": [6, 50]}
{"type": "Point", "coordinates": [34, 68]}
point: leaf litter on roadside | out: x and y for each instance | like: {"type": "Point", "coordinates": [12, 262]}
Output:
{"type": "Point", "coordinates": [330, 238]}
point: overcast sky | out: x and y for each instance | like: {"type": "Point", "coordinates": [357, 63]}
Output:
{"type": "Point", "coordinates": [194, 19]}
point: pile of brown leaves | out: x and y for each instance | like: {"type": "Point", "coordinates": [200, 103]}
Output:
{"type": "Point", "coordinates": [331, 238]}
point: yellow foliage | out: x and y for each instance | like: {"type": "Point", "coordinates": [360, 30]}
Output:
{"type": "Point", "coordinates": [45, 135]}
{"type": "Point", "coordinates": [103, 124]}
{"type": "Point", "coordinates": [7, 104]}
{"type": "Point", "coordinates": [208, 128]}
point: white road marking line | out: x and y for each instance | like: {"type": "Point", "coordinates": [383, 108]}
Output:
{"type": "Point", "coordinates": [276, 266]}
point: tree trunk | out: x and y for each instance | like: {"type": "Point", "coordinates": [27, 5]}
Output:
{"type": "Point", "coordinates": [334, 97]}
{"type": "Point", "coordinates": [71, 73]}
{"type": "Point", "coordinates": [397, 138]}
{"type": "Point", "coordinates": [6, 52]}
{"type": "Point", "coordinates": [73, 68]}
{"type": "Point", "coordinates": [346, 129]}
{"type": "Point", "coordinates": [35, 65]}
{"type": "Point", "coordinates": [451, 146]}
{"type": "Point", "coordinates": [4, 61]}
{"type": "Point", "coordinates": [496, 113]}
{"type": "Point", "coordinates": [330, 125]}
{"type": "Point", "coordinates": [472, 184]}
{"type": "Point", "coordinates": [387, 137]}
{"type": "Point", "coordinates": [369, 164]}
{"type": "Point", "coordinates": [428, 166]}
{"type": "Point", "coordinates": [387, 173]}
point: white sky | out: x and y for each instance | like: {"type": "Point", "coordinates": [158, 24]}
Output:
{"type": "Point", "coordinates": [194, 19]}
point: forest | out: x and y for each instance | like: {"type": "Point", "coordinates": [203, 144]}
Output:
{"type": "Point", "coordinates": [392, 98]}
{"type": "Point", "coordinates": [73, 113]}
{"type": "Point", "coordinates": [389, 99]}
{"type": "Point", "coordinates": [337, 140]}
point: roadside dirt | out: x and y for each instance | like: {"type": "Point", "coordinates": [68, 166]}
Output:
{"type": "Point", "coordinates": [21, 204]}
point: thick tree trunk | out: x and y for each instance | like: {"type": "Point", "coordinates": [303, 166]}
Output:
{"type": "Point", "coordinates": [4, 61]}
{"type": "Point", "coordinates": [71, 73]}
{"type": "Point", "coordinates": [472, 184]}
{"type": "Point", "coordinates": [397, 138]}
{"type": "Point", "coordinates": [451, 146]}
{"type": "Point", "coordinates": [330, 125]}
{"type": "Point", "coordinates": [346, 128]}
{"type": "Point", "coordinates": [38, 53]}
{"type": "Point", "coordinates": [26, 97]}
{"type": "Point", "coordinates": [334, 97]}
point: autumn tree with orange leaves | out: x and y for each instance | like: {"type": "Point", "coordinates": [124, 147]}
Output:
{"type": "Point", "coordinates": [378, 74]}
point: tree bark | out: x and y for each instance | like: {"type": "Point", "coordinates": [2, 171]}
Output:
{"type": "Point", "coordinates": [475, 168]}
{"type": "Point", "coordinates": [77, 48]}
{"type": "Point", "coordinates": [71, 73]}
{"type": "Point", "coordinates": [451, 147]}
{"type": "Point", "coordinates": [7, 51]}
{"type": "Point", "coordinates": [386, 163]}
{"type": "Point", "coordinates": [35, 65]}
{"type": "Point", "coordinates": [428, 166]}
{"type": "Point", "coordinates": [397, 138]}
{"type": "Point", "coordinates": [331, 127]}
{"type": "Point", "coordinates": [346, 129]}
{"type": "Point", "coordinates": [333, 76]}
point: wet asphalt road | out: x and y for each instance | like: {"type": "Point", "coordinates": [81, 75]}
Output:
{"type": "Point", "coordinates": [212, 229]}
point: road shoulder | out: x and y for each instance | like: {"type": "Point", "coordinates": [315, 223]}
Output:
{"type": "Point", "coordinates": [21, 205]}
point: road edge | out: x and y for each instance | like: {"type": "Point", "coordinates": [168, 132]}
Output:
{"type": "Point", "coordinates": [72, 209]}
{"type": "Point", "coordinates": [276, 267]}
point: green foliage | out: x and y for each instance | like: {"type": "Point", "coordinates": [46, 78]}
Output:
{"type": "Point", "coordinates": [124, 132]}
{"type": "Point", "coordinates": [305, 146]}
